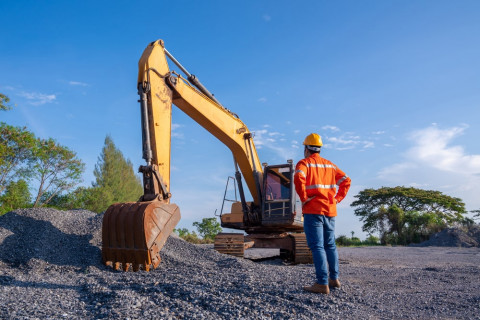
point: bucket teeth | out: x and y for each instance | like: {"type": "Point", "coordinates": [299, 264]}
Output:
{"type": "Point", "coordinates": [134, 233]}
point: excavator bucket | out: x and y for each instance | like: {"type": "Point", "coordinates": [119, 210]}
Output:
{"type": "Point", "coordinates": [133, 233]}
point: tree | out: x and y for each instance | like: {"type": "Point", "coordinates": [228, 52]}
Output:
{"type": "Point", "coordinates": [345, 241]}
{"type": "Point", "coordinates": [3, 102]}
{"type": "Point", "coordinates": [115, 179]}
{"type": "Point", "coordinates": [56, 168]}
{"type": "Point", "coordinates": [17, 149]}
{"type": "Point", "coordinates": [208, 228]}
{"type": "Point", "coordinates": [77, 199]}
{"type": "Point", "coordinates": [16, 196]}
{"type": "Point", "coordinates": [191, 237]}
{"type": "Point", "coordinates": [402, 215]}
{"type": "Point", "coordinates": [476, 215]}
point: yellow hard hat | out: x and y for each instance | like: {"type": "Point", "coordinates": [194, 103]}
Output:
{"type": "Point", "coordinates": [313, 139]}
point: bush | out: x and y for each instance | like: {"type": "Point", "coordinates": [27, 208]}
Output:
{"type": "Point", "coordinates": [16, 196]}
{"type": "Point", "coordinates": [191, 237]}
{"type": "Point", "coordinates": [345, 241]}
{"type": "Point", "coordinates": [208, 228]}
{"type": "Point", "coordinates": [372, 240]}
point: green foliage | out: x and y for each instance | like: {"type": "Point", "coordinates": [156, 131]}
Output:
{"type": "Point", "coordinates": [208, 228]}
{"type": "Point", "coordinates": [476, 215]}
{"type": "Point", "coordinates": [191, 237]}
{"type": "Point", "coordinates": [181, 232]}
{"type": "Point", "coordinates": [56, 168]}
{"type": "Point", "coordinates": [371, 241]}
{"type": "Point", "coordinates": [3, 102]}
{"type": "Point", "coordinates": [77, 199]}
{"type": "Point", "coordinates": [23, 156]}
{"type": "Point", "coordinates": [115, 179]}
{"type": "Point", "coordinates": [345, 241]}
{"type": "Point", "coordinates": [16, 196]}
{"type": "Point", "coordinates": [17, 150]}
{"type": "Point", "coordinates": [404, 215]}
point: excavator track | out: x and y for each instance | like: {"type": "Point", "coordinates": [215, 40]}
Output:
{"type": "Point", "coordinates": [301, 251]}
{"type": "Point", "coordinates": [230, 243]}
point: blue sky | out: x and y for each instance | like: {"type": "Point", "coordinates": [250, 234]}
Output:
{"type": "Point", "coordinates": [393, 87]}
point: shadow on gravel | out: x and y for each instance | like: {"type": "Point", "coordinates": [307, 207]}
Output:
{"type": "Point", "coordinates": [39, 239]}
{"type": "Point", "coordinates": [11, 281]}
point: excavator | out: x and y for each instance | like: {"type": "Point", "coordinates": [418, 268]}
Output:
{"type": "Point", "coordinates": [133, 233]}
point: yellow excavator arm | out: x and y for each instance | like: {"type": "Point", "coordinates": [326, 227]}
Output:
{"type": "Point", "coordinates": [162, 88]}
{"type": "Point", "coordinates": [134, 233]}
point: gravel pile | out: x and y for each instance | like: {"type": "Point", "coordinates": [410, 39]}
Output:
{"type": "Point", "coordinates": [50, 268]}
{"type": "Point", "coordinates": [455, 237]}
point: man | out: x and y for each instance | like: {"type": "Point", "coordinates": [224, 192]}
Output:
{"type": "Point", "coordinates": [316, 179]}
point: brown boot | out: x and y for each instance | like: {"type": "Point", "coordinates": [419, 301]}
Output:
{"type": "Point", "coordinates": [334, 283]}
{"type": "Point", "coordinates": [318, 288]}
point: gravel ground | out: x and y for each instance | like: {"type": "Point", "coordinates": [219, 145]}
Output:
{"type": "Point", "coordinates": [50, 268]}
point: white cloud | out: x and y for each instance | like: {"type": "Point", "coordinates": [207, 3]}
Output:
{"type": "Point", "coordinates": [368, 144]}
{"type": "Point", "coordinates": [262, 99]}
{"type": "Point", "coordinates": [433, 162]}
{"type": "Point", "coordinates": [331, 128]}
{"type": "Point", "coordinates": [275, 142]}
{"type": "Point", "coordinates": [275, 134]}
{"type": "Point", "coordinates": [378, 132]}
{"type": "Point", "coordinates": [36, 99]}
{"type": "Point", "coordinates": [175, 132]}
{"type": "Point", "coordinates": [78, 83]}
{"type": "Point", "coordinates": [347, 141]}
{"type": "Point", "coordinates": [267, 17]}
{"type": "Point", "coordinates": [432, 148]}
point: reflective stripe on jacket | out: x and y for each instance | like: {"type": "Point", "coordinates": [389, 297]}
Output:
{"type": "Point", "coordinates": [316, 180]}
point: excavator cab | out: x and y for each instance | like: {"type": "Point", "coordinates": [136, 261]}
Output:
{"type": "Point", "coordinates": [276, 223]}
{"type": "Point", "coordinates": [277, 211]}
{"type": "Point", "coordinates": [279, 198]}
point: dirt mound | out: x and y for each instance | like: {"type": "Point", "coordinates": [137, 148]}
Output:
{"type": "Point", "coordinates": [455, 237]}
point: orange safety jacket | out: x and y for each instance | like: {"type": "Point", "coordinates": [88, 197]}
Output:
{"type": "Point", "coordinates": [316, 180]}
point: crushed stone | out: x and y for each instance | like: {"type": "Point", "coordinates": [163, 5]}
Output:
{"type": "Point", "coordinates": [466, 237]}
{"type": "Point", "coordinates": [50, 268]}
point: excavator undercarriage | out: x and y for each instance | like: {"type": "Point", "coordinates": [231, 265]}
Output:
{"type": "Point", "coordinates": [293, 246]}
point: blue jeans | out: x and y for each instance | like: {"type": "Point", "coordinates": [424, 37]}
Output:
{"type": "Point", "coordinates": [320, 233]}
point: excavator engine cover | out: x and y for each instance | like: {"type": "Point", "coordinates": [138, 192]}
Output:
{"type": "Point", "coordinates": [133, 233]}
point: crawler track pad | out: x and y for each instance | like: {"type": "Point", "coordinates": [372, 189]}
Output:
{"type": "Point", "coordinates": [133, 233]}
{"type": "Point", "coordinates": [230, 243]}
